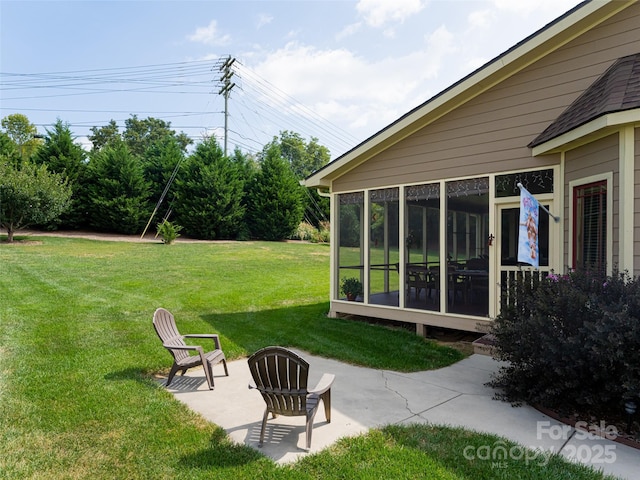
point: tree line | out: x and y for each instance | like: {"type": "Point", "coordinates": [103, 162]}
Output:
{"type": "Point", "coordinates": [148, 173]}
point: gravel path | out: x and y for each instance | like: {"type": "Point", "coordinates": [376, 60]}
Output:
{"type": "Point", "coordinates": [113, 237]}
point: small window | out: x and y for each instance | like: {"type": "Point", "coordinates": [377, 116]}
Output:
{"type": "Point", "coordinates": [590, 226]}
{"type": "Point", "coordinates": [536, 182]}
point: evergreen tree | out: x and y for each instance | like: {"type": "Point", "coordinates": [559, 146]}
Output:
{"type": "Point", "coordinates": [304, 158]}
{"type": "Point", "coordinates": [61, 155]}
{"type": "Point", "coordinates": [208, 194]}
{"type": "Point", "coordinates": [160, 162]}
{"type": "Point", "coordinates": [118, 192]}
{"type": "Point", "coordinates": [248, 166]}
{"type": "Point", "coordinates": [275, 199]}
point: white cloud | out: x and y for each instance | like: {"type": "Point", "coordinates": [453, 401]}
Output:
{"type": "Point", "coordinates": [350, 90]}
{"type": "Point", "coordinates": [377, 13]}
{"type": "Point", "coordinates": [264, 19]}
{"type": "Point", "coordinates": [526, 7]}
{"type": "Point", "coordinates": [389, 32]}
{"type": "Point", "coordinates": [85, 143]}
{"type": "Point", "coordinates": [440, 44]}
{"type": "Point", "coordinates": [489, 26]}
{"type": "Point", "coordinates": [362, 93]}
{"type": "Point", "coordinates": [480, 18]}
{"type": "Point", "coordinates": [474, 63]}
{"type": "Point", "coordinates": [349, 30]}
{"type": "Point", "coordinates": [209, 35]}
{"type": "Point", "coordinates": [291, 34]}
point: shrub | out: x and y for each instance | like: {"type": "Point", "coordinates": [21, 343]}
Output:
{"type": "Point", "coordinates": [571, 342]}
{"type": "Point", "coordinates": [323, 233]}
{"type": "Point", "coordinates": [168, 231]}
{"type": "Point", "coordinates": [305, 231]}
{"type": "Point", "coordinates": [30, 194]}
{"type": "Point", "coordinates": [351, 287]}
{"type": "Point", "coordinates": [308, 232]}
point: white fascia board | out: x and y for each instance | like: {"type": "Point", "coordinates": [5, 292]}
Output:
{"type": "Point", "coordinates": [590, 131]}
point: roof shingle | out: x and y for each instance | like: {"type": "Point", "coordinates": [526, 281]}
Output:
{"type": "Point", "coordinates": [618, 89]}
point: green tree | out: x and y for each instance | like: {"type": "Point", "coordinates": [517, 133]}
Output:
{"type": "Point", "coordinates": [161, 162]}
{"type": "Point", "coordinates": [59, 152]}
{"type": "Point", "coordinates": [208, 194]}
{"type": "Point", "coordinates": [62, 155]}
{"type": "Point", "coordinates": [22, 132]}
{"type": "Point", "coordinates": [275, 198]}
{"type": "Point", "coordinates": [103, 136]}
{"type": "Point", "coordinates": [248, 166]}
{"type": "Point", "coordinates": [8, 149]}
{"type": "Point", "coordinates": [304, 158]}
{"type": "Point", "coordinates": [247, 163]}
{"type": "Point", "coordinates": [118, 192]}
{"type": "Point", "coordinates": [30, 195]}
{"type": "Point", "coordinates": [139, 135]}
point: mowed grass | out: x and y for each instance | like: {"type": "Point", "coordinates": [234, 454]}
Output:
{"type": "Point", "coordinates": [78, 354]}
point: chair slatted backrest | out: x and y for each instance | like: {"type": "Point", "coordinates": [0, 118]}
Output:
{"type": "Point", "coordinates": [281, 377]}
{"type": "Point", "coordinates": [165, 326]}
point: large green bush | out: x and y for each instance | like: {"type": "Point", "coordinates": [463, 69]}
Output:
{"type": "Point", "coordinates": [571, 343]}
{"type": "Point", "coordinates": [208, 194]}
{"type": "Point", "coordinates": [117, 191]}
{"type": "Point", "coordinates": [275, 199]}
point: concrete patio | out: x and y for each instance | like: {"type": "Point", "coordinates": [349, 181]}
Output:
{"type": "Point", "coordinates": [364, 398]}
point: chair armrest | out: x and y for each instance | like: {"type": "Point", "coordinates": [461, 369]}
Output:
{"type": "Point", "coordinates": [213, 336]}
{"type": "Point", "coordinates": [324, 384]}
{"type": "Point", "coordinates": [182, 347]}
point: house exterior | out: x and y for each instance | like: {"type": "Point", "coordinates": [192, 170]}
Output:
{"type": "Point", "coordinates": [425, 213]}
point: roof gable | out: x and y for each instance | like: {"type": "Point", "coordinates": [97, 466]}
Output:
{"type": "Point", "coordinates": [553, 36]}
{"type": "Point", "coordinates": [616, 90]}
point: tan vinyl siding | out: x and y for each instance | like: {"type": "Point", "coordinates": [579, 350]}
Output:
{"type": "Point", "coordinates": [490, 132]}
{"type": "Point", "coordinates": [596, 158]}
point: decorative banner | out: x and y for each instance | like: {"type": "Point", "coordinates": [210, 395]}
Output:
{"type": "Point", "coordinates": [528, 231]}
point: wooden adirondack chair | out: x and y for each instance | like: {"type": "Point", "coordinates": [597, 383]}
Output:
{"type": "Point", "coordinates": [172, 340]}
{"type": "Point", "coordinates": [280, 375]}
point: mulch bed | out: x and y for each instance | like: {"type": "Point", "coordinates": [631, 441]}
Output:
{"type": "Point", "coordinates": [630, 438]}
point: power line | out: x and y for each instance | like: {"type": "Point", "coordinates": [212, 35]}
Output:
{"type": "Point", "coordinates": [263, 85]}
{"type": "Point", "coordinates": [261, 111]}
{"type": "Point", "coordinates": [71, 110]}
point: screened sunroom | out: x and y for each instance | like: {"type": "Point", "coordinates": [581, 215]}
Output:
{"type": "Point", "coordinates": [426, 212]}
{"type": "Point", "coordinates": [441, 247]}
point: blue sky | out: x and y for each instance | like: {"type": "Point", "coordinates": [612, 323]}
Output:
{"type": "Point", "coordinates": [337, 70]}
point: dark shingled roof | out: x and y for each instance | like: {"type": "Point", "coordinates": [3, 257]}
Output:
{"type": "Point", "coordinates": [616, 90]}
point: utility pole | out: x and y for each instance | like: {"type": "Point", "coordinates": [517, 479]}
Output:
{"type": "Point", "coordinates": [226, 85]}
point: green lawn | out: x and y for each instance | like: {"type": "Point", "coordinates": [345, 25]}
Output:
{"type": "Point", "coordinates": [78, 351]}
